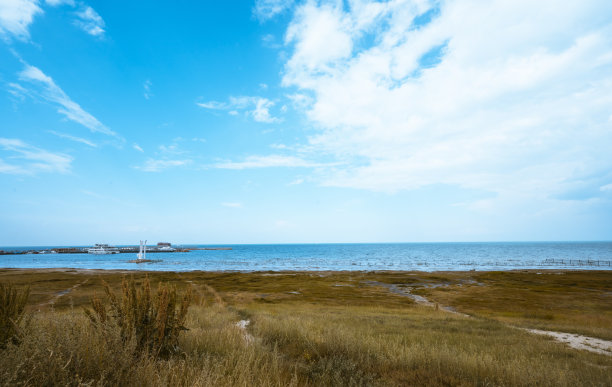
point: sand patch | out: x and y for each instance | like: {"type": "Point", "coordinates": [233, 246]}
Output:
{"type": "Point", "coordinates": [242, 325]}
{"type": "Point", "coordinates": [575, 341]}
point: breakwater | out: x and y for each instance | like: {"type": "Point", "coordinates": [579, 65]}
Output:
{"type": "Point", "coordinates": [123, 249]}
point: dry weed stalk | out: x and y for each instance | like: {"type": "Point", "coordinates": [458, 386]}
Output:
{"type": "Point", "coordinates": [153, 322]}
{"type": "Point", "coordinates": [12, 304]}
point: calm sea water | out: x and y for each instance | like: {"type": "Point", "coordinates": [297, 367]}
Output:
{"type": "Point", "coordinates": [383, 256]}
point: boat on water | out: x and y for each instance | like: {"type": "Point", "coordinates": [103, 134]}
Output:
{"type": "Point", "coordinates": [165, 247]}
{"type": "Point", "coordinates": [103, 248]}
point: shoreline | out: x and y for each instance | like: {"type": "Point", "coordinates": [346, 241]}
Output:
{"type": "Point", "coordinates": [284, 272]}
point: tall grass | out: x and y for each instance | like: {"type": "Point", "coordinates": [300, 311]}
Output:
{"type": "Point", "coordinates": [353, 337]}
{"type": "Point", "coordinates": [12, 305]}
{"type": "Point", "coordinates": [152, 322]}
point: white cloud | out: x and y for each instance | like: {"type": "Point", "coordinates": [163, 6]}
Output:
{"type": "Point", "coordinates": [16, 16]}
{"type": "Point", "coordinates": [26, 159]}
{"type": "Point", "coordinates": [606, 188]}
{"type": "Point", "coordinates": [45, 87]}
{"type": "Point", "coordinates": [267, 9]}
{"type": "Point", "coordinates": [509, 97]}
{"type": "Point", "coordinates": [74, 138]}
{"type": "Point", "coordinates": [261, 113]}
{"type": "Point", "coordinates": [256, 107]}
{"type": "Point", "coordinates": [268, 162]}
{"type": "Point", "coordinates": [154, 165]}
{"type": "Point", "coordinates": [147, 89]}
{"type": "Point", "coordinates": [138, 148]}
{"type": "Point", "coordinates": [213, 105]}
{"type": "Point", "coordinates": [89, 21]}
{"type": "Point", "coordinates": [269, 41]}
{"type": "Point", "coordinates": [232, 204]}
{"type": "Point", "coordinates": [55, 3]}
{"type": "Point", "coordinates": [93, 194]}
{"type": "Point", "coordinates": [300, 101]}
{"type": "Point", "coordinates": [172, 149]}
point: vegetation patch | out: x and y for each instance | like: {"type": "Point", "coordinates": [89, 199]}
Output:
{"type": "Point", "coordinates": [311, 332]}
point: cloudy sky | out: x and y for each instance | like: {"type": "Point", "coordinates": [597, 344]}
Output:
{"type": "Point", "coordinates": [274, 121]}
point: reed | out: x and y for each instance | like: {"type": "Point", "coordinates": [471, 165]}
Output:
{"type": "Point", "coordinates": [153, 322]}
{"type": "Point", "coordinates": [12, 306]}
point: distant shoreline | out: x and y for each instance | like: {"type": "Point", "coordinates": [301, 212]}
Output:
{"type": "Point", "coordinates": [279, 272]}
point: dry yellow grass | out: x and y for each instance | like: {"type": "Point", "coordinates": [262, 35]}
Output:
{"type": "Point", "coordinates": [320, 329]}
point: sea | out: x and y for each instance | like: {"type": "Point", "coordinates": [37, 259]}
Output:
{"type": "Point", "coordinates": [353, 257]}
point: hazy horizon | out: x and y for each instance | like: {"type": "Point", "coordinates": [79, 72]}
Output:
{"type": "Point", "coordinates": [280, 121]}
{"type": "Point", "coordinates": [153, 243]}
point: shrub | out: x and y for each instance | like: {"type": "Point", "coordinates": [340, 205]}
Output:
{"type": "Point", "coordinates": [12, 304]}
{"type": "Point", "coordinates": [154, 323]}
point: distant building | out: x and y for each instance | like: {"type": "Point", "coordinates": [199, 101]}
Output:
{"type": "Point", "coordinates": [164, 244]}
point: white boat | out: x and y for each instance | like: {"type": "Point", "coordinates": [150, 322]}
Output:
{"type": "Point", "coordinates": [103, 248]}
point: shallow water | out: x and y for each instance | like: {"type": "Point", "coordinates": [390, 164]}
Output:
{"type": "Point", "coordinates": [379, 256]}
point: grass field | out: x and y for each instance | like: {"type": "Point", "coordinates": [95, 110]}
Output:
{"type": "Point", "coordinates": [324, 328]}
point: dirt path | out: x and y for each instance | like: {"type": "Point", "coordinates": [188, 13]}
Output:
{"type": "Point", "coordinates": [242, 325]}
{"type": "Point", "coordinates": [406, 292]}
{"type": "Point", "coordinates": [591, 344]}
{"type": "Point", "coordinates": [59, 295]}
{"type": "Point", "coordinates": [575, 341]}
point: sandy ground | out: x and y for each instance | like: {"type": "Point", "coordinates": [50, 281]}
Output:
{"type": "Point", "coordinates": [242, 325]}
{"type": "Point", "coordinates": [578, 342]}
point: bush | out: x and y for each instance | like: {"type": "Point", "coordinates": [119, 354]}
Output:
{"type": "Point", "coordinates": [12, 304]}
{"type": "Point", "coordinates": [154, 323]}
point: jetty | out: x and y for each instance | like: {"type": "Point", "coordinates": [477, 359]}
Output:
{"type": "Point", "coordinates": [163, 248]}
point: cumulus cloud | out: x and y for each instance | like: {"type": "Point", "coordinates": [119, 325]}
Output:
{"type": "Point", "coordinates": [257, 108]}
{"type": "Point", "coordinates": [90, 21]}
{"type": "Point", "coordinates": [44, 87]}
{"type": "Point", "coordinates": [16, 16]}
{"type": "Point", "coordinates": [509, 97]}
{"type": "Point", "coordinates": [25, 159]}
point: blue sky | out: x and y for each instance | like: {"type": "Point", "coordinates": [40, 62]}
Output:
{"type": "Point", "coordinates": [274, 121]}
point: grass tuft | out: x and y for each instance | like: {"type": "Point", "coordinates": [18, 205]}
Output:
{"type": "Point", "coordinates": [153, 322]}
{"type": "Point", "coordinates": [12, 305]}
